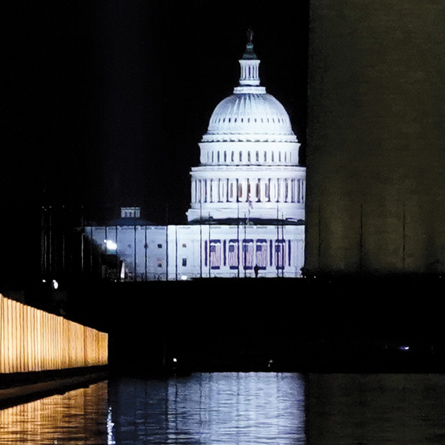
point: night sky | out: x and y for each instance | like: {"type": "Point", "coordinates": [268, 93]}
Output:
{"type": "Point", "coordinates": [106, 101]}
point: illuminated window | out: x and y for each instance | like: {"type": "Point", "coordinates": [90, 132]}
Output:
{"type": "Point", "coordinates": [248, 254]}
{"type": "Point", "coordinates": [261, 253]}
{"type": "Point", "coordinates": [280, 254]}
{"type": "Point", "coordinates": [215, 254]}
{"type": "Point", "coordinates": [233, 254]}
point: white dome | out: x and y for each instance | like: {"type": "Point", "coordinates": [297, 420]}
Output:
{"type": "Point", "coordinates": [249, 158]}
{"type": "Point", "coordinates": [249, 116]}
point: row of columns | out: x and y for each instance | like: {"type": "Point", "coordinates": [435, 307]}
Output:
{"type": "Point", "coordinates": [242, 190]}
{"type": "Point", "coordinates": [250, 72]}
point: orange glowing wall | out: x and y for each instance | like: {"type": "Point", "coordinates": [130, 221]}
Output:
{"type": "Point", "coordinates": [34, 340]}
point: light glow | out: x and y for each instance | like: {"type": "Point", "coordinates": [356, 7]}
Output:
{"type": "Point", "coordinates": [111, 245]}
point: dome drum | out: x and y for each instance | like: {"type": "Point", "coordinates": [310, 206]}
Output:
{"type": "Point", "coordinates": [260, 190]}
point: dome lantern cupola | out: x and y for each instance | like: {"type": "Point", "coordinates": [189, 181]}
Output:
{"type": "Point", "coordinates": [250, 66]}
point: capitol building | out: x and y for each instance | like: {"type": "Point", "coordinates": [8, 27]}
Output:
{"type": "Point", "coordinates": [247, 211]}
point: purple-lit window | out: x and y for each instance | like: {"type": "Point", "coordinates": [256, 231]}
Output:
{"type": "Point", "coordinates": [280, 254]}
{"type": "Point", "coordinates": [261, 254]}
{"type": "Point", "coordinates": [233, 254]}
{"type": "Point", "coordinates": [215, 254]}
{"type": "Point", "coordinates": [248, 254]}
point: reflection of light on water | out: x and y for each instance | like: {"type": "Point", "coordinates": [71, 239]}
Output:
{"type": "Point", "coordinates": [110, 426]}
{"type": "Point", "coordinates": [248, 408]}
{"type": "Point", "coordinates": [58, 419]}
{"type": "Point", "coordinates": [210, 408]}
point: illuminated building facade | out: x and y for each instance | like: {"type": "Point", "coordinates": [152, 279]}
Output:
{"type": "Point", "coordinates": [247, 209]}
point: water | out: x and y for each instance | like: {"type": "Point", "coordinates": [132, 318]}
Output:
{"type": "Point", "coordinates": [77, 417]}
{"type": "Point", "coordinates": [219, 408]}
{"type": "Point", "coordinates": [238, 408]}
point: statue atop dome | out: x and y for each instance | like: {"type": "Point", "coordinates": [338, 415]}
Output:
{"type": "Point", "coordinates": [249, 35]}
{"type": "Point", "coordinates": [249, 54]}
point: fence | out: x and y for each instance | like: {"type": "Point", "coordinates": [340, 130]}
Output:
{"type": "Point", "coordinates": [34, 340]}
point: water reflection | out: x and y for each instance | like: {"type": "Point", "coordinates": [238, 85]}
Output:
{"type": "Point", "coordinates": [77, 417]}
{"type": "Point", "coordinates": [220, 408]}
{"type": "Point", "coordinates": [406, 409]}
{"type": "Point", "coordinates": [238, 408]}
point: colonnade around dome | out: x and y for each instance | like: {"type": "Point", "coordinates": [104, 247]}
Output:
{"type": "Point", "coordinates": [279, 197]}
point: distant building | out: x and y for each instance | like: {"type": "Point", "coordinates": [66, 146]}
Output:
{"type": "Point", "coordinates": [247, 208]}
{"type": "Point", "coordinates": [375, 149]}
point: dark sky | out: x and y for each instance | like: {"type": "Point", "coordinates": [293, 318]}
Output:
{"type": "Point", "coordinates": [106, 101]}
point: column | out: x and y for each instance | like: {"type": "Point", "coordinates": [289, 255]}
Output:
{"type": "Point", "coordinates": [203, 190]}
{"type": "Point", "coordinates": [212, 186]}
{"type": "Point", "coordinates": [193, 191]}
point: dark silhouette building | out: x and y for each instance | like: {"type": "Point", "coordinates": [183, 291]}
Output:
{"type": "Point", "coordinates": [376, 155]}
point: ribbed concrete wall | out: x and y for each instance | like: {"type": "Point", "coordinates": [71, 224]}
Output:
{"type": "Point", "coordinates": [376, 136]}
{"type": "Point", "coordinates": [34, 340]}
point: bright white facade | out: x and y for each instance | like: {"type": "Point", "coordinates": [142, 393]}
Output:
{"type": "Point", "coordinates": [149, 252]}
{"type": "Point", "coordinates": [247, 200]}
{"type": "Point", "coordinates": [249, 157]}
